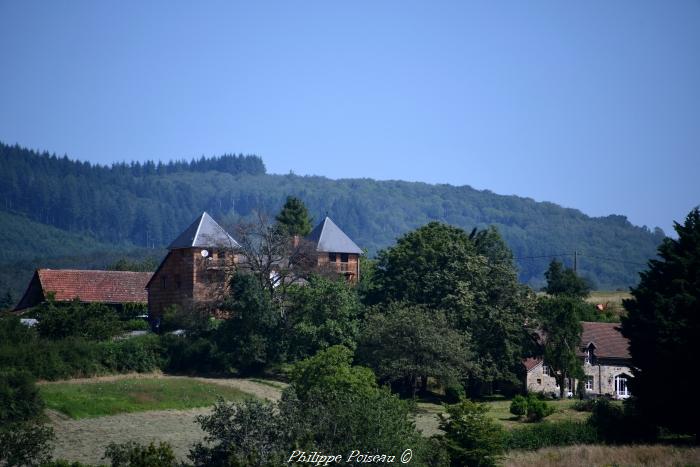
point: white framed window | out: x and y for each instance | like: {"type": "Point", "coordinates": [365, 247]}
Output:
{"type": "Point", "coordinates": [621, 389]}
{"type": "Point", "coordinates": [545, 370]}
{"type": "Point", "coordinates": [589, 383]}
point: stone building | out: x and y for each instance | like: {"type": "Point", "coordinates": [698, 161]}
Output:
{"type": "Point", "coordinates": [606, 364]}
{"type": "Point", "coordinates": [193, 273]}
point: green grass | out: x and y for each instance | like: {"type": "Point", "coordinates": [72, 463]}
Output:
{"type": "Point", "coordinates": [89, 400]}
{"type": "Point", "coordinates": [499, 410]}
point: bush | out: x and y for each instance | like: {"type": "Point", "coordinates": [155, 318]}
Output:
{"type": "Point", "coordinates": [538, 409]}
{"type": "Point", "coordinates": [136, 324]}
{"type": "Point", "coordinates": [585, 405]}
{"type": "Point", "coordinates": [533, 437]}
{"type": "Point", "coordinates": [140, 354]}
{"type": "Point", "coordinates": [471, 437]}
{"type": "Point", "coordinates": [92, 321]}
{"type": "Point", "coordinates": [19, 397]}
{"type": "Point", "coordinates": [191, 355]}
{"type": "Point", "coordinates": [518, 406]}
{"type": "Point", "coordinates": [25, 444]}
{"type": "Point", "coordinates": [132, 454]}
{"type": "Point", "coordinates": [454, 393]}
{"type": "Point", "coordinates": [620, 425]}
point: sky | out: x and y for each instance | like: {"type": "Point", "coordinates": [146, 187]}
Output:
{"type": "Point", "coordinates": [593, 105]}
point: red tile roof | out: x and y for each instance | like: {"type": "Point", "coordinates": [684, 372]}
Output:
{"type": "Point", "coordinates": [531, 362]}
{"type": "Point", "coordinates": [95, 286]}
{"type": "Point", "coordinates": [607, 339]}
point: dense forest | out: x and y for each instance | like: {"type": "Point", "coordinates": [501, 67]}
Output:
{"type": "Point", "coordinates": [123, 209]}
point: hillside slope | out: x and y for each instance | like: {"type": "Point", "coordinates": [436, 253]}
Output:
{"type": "Point", "coordinates": [149, 204]}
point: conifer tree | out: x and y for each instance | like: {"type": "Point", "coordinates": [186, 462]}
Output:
{"type": "Point", "coordinates": [294, 218]}
{"type": "Point", "coordinates": [663, 326]}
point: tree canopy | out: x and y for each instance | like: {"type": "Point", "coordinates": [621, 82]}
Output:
{"type": "Point", "coordinates": [565, 281]}
{"type": "Point", "coordinates": [663, 327]}
{"type": "Point", "coordinates": [294, 218]}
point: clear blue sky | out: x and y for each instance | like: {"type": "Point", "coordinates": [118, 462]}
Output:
{"type": "Point", "coordinates": [593, 105]}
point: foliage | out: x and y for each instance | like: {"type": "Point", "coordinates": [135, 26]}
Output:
{"type": "Point", "coordinates": [185, 354]}
{"type": "Point", "coordinates": [541, 435]}
{"type": "Point", "coordinates": [248, 339]}
{"type": "Point", "coordinates": [518, 406]}
{"type": "Point", "coordinates": [330, 370]}
{"type": "Point", "coordinates": [294, 218]}
{"type": "Point", "coordinates": [137, 354]}
{"type": "Point", "coordinates": [25, 444]}
{"type": "Point", "coordinates": [19, 397]}
{"type": "Point", "coordinates": [136, 324]}
{"type": "Point", "coordinates": [132, 454]}
{"type": "Point", "coordinates": [537, 409]}
{"type": "Point", "coordinates": [585, 405]}
{"type": "Point", "coordinates": [93, 321]}
{"type": "Point", "coordinates": [194, 321]}
{"type": "Point", "coordinates": [472, 279]}
{"type": "Point", "coordinates": [663, 325]}
{"type": "Point", "coordinates": [407, 343]}
{"type": "Point", "coordinates": [620, 425]}
{"type": "Point", "coordinates": [471, 437]}
{"type": "Point", "coordinates": [565, 281]}
{"type": "Point", "coordinates": [562, 329]}
{"type": "Point", "coordinates": [101, 398]}
{"type": "Point", "coordinates": [320, 314]}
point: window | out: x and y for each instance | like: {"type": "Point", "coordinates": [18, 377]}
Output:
{"type": "Point", "coordinates": [343, 257]}
{"type": "Point", "coordinates": [545, 370]}
{"type": "Point", "coordinates": [331, 257]}
{"type": "Point", "coordinates": [164, 282]}
{"type": "Point", "coordinates": [621, 386]}
{"type": "Point", "coordinates": [221, 255]}
{"type": "Point", "coordinates": [539, 381]}
{"type": "Point", "coordinates": [589, 383]}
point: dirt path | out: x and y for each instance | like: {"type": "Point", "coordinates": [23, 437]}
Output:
{"type": "Point", "coordinates": [85, 440]}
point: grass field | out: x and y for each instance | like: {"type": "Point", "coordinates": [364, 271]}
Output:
{"type": "Point", "coordinates": [584, 456]}
{"type": "Point", "coordinates": [133, 395]}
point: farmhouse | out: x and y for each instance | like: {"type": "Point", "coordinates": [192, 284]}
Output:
{"type": "Point", "coordinates": [606, 364]}
{"type": "Point", "coordinates": [116, 288]}
{"type": "Point", "coordinates": [194, 273]}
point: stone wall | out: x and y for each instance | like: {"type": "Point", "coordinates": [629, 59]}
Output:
{"type": "Point", "coordinates": [602, 372]}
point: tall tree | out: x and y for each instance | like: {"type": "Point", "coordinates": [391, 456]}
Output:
{"type": "Point", "coordinates": [294, 218]}
{"type": "Point", "coordinates": [561, 328]}
{"type": "Point", "coordinates": [663, 326]}
{"type": "Point", "coordinates": [564, 281]}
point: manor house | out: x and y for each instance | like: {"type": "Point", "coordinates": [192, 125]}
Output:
{"type": "Point", "coordinates": [606, 364]}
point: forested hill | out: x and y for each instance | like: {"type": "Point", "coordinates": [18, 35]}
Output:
{"type": "Point", "coordinates": [149, 204]}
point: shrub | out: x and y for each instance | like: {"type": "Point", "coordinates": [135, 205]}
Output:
{"type": "Point", "coordinates": [585, 405]}
{"type": "Point", "coordinates": [92, 321]}
{"type": "Point", "coordinates": [191, 355]}
{"type": "Point", "coordinates": [19, 397]}
{"type": "Point", "coordinates": [454, 393]}
{"type": "Point", "coordinates": [25, 444]}
{"type": "Point", "coordinates": [620, 425]}
{"type": "Point", "coordinates": [538, 409]}
{"type": "Point", "coordinates": [471, 437]}
{"type": "Point", "coordinates": [140, 354]}
{"type": "Point", "coordinates": [132, 454]}
{"type": "Point", "coordinates": [136, 324]}
{"type": "Point", "coordinates": [518, 406]}
{"type": "Point", "coordinates": [540, 435]}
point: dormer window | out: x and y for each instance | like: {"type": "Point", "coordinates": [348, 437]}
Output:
{"type": "Point", "coordinates": [343, 257]}
{"type": "Point", "coordinates": [588, 354]}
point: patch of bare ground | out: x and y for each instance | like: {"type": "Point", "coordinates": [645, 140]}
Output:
{"type": "Point", "coordinates": [594, 455]}
{"type": "Point", "coordinates": [85, 440]}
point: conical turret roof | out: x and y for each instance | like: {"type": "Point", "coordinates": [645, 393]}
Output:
{"type": "Point", "coordinates": [204, 232]}
{"type": "Point", "coordinates": [329, 238]}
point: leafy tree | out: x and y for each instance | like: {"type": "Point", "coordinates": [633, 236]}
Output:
{"type": "Point", "coordinates": [663, 328]}
{"type": "Point", "coordinates": [294, 218]}
{"type": "Point", "coordinates": [322, 313]}
{"type": "Point", "coordinates": [330, 370]}
{"type": "Point", "coordinates": [249, 338]}
{"type": "Point", "coordinates": [27, 444]}
{"type": "Point", "coordinates": [471, 437]}
{"type": "Point", "coordinates": [406, 344]}
{"type": "Point", "coordinates": [19, 397]}
{"type": "Point", "coordinates": [564, 281]}
{"type": "Point", "coordinates": [561, 328]}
